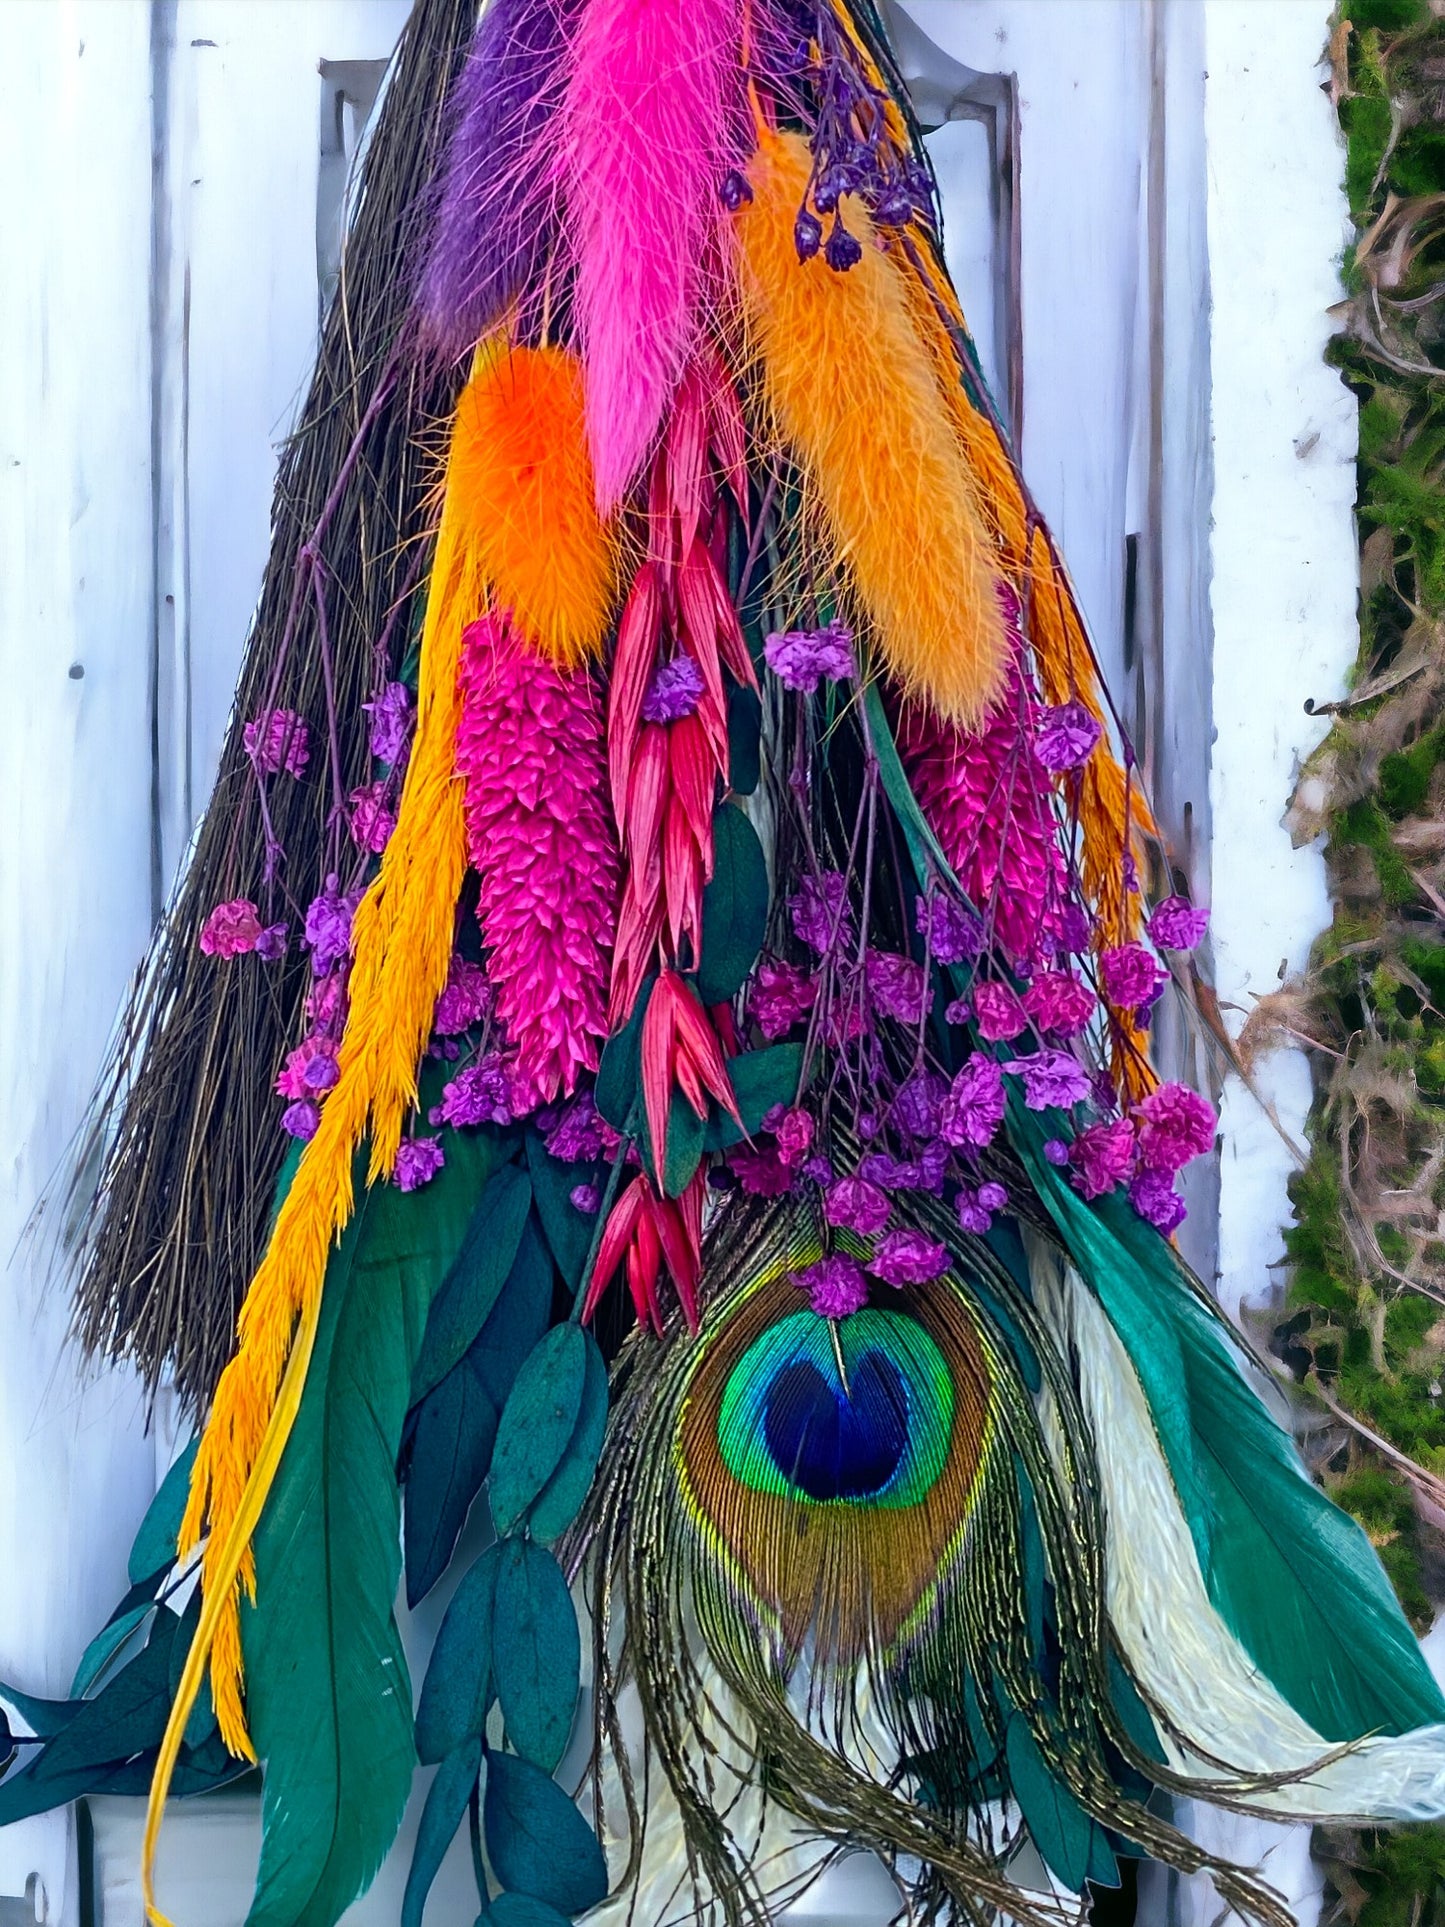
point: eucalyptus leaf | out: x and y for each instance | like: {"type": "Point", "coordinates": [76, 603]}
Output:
{"type": "Point", "coordinates": [474, 1281]}
{"type": "Point", "coordinates": [446, 1802]}
{"type": "Point", "coordinates": [734, 907]}
{"type": "Point", "coordinates": [538, 1843]}
{"type": "Point", "coordinates": [760, 1079]}
{"type": "Point", "coordinates": [618, 1090]}
{"type": "Point", "coordinates": [568, 1230]}
{"type": "Point", "coordinates": [154, 1548]}
{"type": "Point", "coordinates": [536, 1652]}
{"type": "Point", "coordinates": [539, 1418]}
{"type": "Point", "coordinates": [745, 739]}
{"type": "Point", "coordinates": [457, 1689]}
{"type": "Point", "coordinates": [560, 1499]}
{"type": "Point", "coordinates": [451, 1435]}
{"type": "Point", "coordinates": [127, 1715]}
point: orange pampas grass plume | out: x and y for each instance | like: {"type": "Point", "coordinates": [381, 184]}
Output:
{"type": "Point", "coordinates": [517, 524]}
{"type": "Point", "coordinates": [520, 458]}
{"type": "Point", "coordinates": [851, 388]}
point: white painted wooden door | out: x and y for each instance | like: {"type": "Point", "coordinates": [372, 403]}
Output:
{"type": "Point", "coordinates": [170, 174]}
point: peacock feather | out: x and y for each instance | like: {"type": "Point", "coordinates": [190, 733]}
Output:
{"type": "Point", "coordinates": [728, 1223]}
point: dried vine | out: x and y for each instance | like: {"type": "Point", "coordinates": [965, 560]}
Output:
{"type": "Point", "coordinates": [1366, 1324]}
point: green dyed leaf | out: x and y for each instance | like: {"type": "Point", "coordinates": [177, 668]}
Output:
{"type": "Point", "coordinates": [734, 907]}
{"type": "Point", "coordinates": [618, 1090]}
{"type": "Point", "coordinates": [1103, 1868]}
{"type": "Point", "coordinates": [106, 1645]}
{"type": "Point", "coordinates": [760, 1079]}
{"type": "Point", "coordinates": [520, 1910]}
{"type": "Point", "coordinates": [536, 1652]}
{"type": "Point", "coordinates": [446, 1802]}
{"type": "Point", "coordinates": [327, 1690]}
{"type": "Point", "coordinates": [518, 1320]}
{"type": "Point", "coordinates": [154, 1549]}
{"type": "Point", "coordinates": [685, 1136]}
{"type": "Point", "coordinates": [745, 739]}
{"type": "Point", "coordinates": [537, 1841]}
{"type": "Point", "coordinates": [42, 1716]}
{"type": "Point", "coordinates": [475, 1279]}
{"type": "Point", "coordinates": [128, 1715]}
{"type": "Point", "coordinates": [923, 846]}
{"type": "Point", "coordinates": [452, 1433]}
{"type": "Point", "coordinates": [568, 1230]}
{"type": "Point", "coordinates": [1057, 1824]}
{"type": "Point", "coordinates": [458, 1689]}
{"type": "Point", "coordinates": [559, 1501]}
{"type": "Point", "coordinates": [538, 1420]}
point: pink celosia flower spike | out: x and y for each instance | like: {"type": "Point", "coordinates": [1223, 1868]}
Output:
{"type": "Point", "coordinates": [539, 830]}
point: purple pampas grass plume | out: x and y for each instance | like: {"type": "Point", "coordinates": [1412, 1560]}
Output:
{"type": "Point", "coordinates": [496, 213]}
{"type": "Point", "coordinates": [531, 750]}
{"type": "Point", "coordinates": [651, 124]}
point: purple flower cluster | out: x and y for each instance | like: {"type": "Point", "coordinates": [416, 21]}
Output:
{"type": "Point", "coordinates": [391, 720]}
{"type": "Point", "coordinates": [675, 691]}
{"type": "Point", "coordinates": [1053, 1079]}
{"type": "Point", "coordinates": [820, 913]}
{"type": "Point", "coordinates": [802, 658]}
{"type": "Point", "coordinates": [835, 1285]}
{"type": "Point", "coordinates": [575, 1136]}
{"type": "Point", "coordinates": [466, 999]}
{"type": "Point", "coordinates": [328, 925]}
{"type": "Point", "coordinates": [418, 1159]}
{"type": "Point", "coordinates": [780, 997]}
{"type": "Point", "coordinates": [1065, 737]}
{"type": "Point", "coordinates": [1177, 925]}
{"type": "Point", "coordinates": [278, 739]}
{"type": "Point", "coordinates": [953, 935]}
{"type": "Point", "coordinates": [480, 1094]}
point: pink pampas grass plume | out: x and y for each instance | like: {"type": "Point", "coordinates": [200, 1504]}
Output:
{"type": "Point", "coordinates": [650, 124]}
{"type": "Point", "coordinates": [531, 751]}
{"type": "Point", "coordinates": [990, 805]}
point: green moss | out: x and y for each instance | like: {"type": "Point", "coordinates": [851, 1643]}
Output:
{"type": "Point", "coordinates": [1427, 959]}
{"type": "Point", "coordinates": [1366, 825]}
{"type": "Point", "coordinates": [1387, 16]}
{"type": "Point", "coordinates": [1322, 1270]}
{"type": "Point", "coordinates": [1366, 121]}
{"type": "Point", "coordinates": [1417, 165]}
{"type": "Point", "coordinates": [1405, 776]}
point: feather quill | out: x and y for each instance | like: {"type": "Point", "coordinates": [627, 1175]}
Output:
{"type": "Point", "coordinates": [649, 125]}
{"type": "Point", "coordinates": [851, 388]}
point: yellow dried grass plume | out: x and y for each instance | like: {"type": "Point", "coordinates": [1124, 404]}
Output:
{"type": "Point", "coordinates": [851, 388]}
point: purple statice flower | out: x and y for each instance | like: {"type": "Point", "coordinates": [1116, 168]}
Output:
{"type": "Point", "coordinates": [1102, 1157]}
{"type": "Point", "coordinates": [1070, 935]}
{"type": "Point", "coordinates": [898, 985]}
{"type": "Point", "coordinates": [993, 1196]}
{"type": "Point", "coordinates": [418, 1159]}
{"type": "Point", "coordinates": [1175, 1125]}
{"type": "Point", "coordinates": [819, 1168]}
{"type": "Point", "coordinates": [1132, 977]}
{"type": "Point", "coordinates": [1177, 925]}
{"type": "Point", "coordinates": [918, 1105]}
{"type": "Point", "coordinates": [780, 997]}
{"type": "Point", "coordinates": [819, 910]}
{"type": "Point", "coordinates": [760, 1171]}
{"type": "Point", "coordinates": [586, 1198]}
{"type": "Point", "coordinates": [576, 1135]}
{"type": "Point", "coordinates": [801, 658]}
{"type": "Point", "coordinates": [1051, 1078]}
{"type": "Point", "coordinates": [301, 1119]}
{"type": "Point", "coordinates": [231, 930]}
{"type": "Point", "coordinates": [835, 1285]}
{"type": "Point", "coordinates": [466, 999]}
{"type": "Point", "coordinates": [736, 191]}
{"type": "Point", "coordinates": [933, 1167]}
{"type": "Point", "coordinates": [675, 691]}
{"type": "Point", "coordinates": [292, 1080]}
{"type": "Point", "coordinates": [907, 1258]}
{"type": "Point", "coordinates": [278, 739]}
{"type": "Point", "coordinates": [841, 250]}
{"type": "Point", "coordinates": [328, 925]}
{"type": "Point", "coordinates": [1057, 1152]}
{"type": "Point", "coordinates": [889, 1173]}
{"type": "Point", "coordinates": [853, 1204]}
{"type": "Point", "coordinates": [1058, 1002]}
{"type": "Point", "coordinates": [481, 1094]}
{"type": "Point", "coordinates": [958, 1012]}
{"type": "Point", "coordinates": [953, 935]}
{"type": "Point", "coordinates": [1066, 736]}
{"type": "Point", "coordinates": [793, 1133]}
{"type": "Point", "coordinates": [271, 944]}
{"type": "Point", "coordinates": [999, 1015]}
{"type": "Point", "coordinates": [372, 819]}
{"type": "Point", "coordinates": [321, 1071]}
{"type": "Point", "coordinates": [1153, 1196]}
{"type": "Point", "coordinates": [974, 1108]}
{"type": "Point", "coordinates": [973, 1215]}
{"type": "Point", "coordinates": [391, 719]}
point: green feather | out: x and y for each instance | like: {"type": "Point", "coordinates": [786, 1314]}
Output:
{"type": "Point", "coordinates": [328, 1696]}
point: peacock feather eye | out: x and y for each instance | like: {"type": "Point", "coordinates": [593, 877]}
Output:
{"type": "Point", "coordinates": [837, 1461]}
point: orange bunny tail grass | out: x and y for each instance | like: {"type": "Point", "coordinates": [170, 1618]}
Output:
{"type": "Point", "coordinates": [520, 456]}
{"type": "Point", "coordinates": [851, 388]}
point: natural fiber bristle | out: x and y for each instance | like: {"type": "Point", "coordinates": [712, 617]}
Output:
{"type": "Point", "coordinates": [850, 388]}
